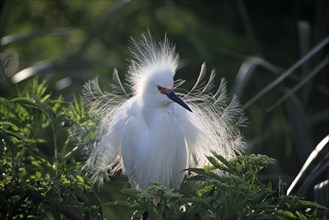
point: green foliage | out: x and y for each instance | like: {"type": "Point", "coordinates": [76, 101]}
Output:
{"type": "Point", "coordinates": [226, 190]}
{"type": "Point", "coordinates": [32, 183]}
{"type": "Point", "coordinates": [156, 200]}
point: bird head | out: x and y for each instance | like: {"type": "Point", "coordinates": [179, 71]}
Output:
{"type": "Point", "coordinates": [152, 71]}
{"type": "Point", "coordinates": [159, 86]}
{"type": "Point", "coordinates": [172, 96]}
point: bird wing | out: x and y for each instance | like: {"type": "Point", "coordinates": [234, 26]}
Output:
{"type": "Point", "coordinates": [109, 111]}
{"type": "Point", "coordinates": [213, 125]}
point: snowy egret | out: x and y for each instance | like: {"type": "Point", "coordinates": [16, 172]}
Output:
{"type": "Point", "coordinates": [150, 133]}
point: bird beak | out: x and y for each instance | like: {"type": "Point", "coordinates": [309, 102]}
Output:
{"type": "Point", "coordinates": [171, 95]}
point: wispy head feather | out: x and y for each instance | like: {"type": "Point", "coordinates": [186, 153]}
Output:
{"type": "Point", "coordinates": [150, 57]}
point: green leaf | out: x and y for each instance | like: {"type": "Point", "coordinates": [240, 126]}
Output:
{"type": "Point", "coordinates": [287, 214]}
{"type": "Point", "coordinates": [204, 191]}
{"type": "Point", "coordinates": [130, 192]}
{"type": "Point", "coordinates": [231, 168]}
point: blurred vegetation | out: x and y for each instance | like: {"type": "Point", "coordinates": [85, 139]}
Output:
{"type": "Point", "coordinates": [269, 51]}
{"type": "Point", "coordinates": [32, 183]}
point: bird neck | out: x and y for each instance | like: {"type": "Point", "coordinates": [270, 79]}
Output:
{"type": "Point", "coordinates": [154, 112]}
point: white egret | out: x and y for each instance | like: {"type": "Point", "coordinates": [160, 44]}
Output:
{"type": "Point", "coordinates": [151, 134]}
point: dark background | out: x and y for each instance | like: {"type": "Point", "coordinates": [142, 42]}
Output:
{"type": "Point", "coordinates": [70, 42]}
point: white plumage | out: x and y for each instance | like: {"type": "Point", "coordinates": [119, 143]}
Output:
{"type": "Point", "coordinates": [150, 134]}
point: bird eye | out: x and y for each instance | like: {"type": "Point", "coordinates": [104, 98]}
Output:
{"type": "Point", "coordinates": [159, 87]}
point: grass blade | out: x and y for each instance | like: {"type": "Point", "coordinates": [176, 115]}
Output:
{"type": "Point", "coordinates": [290, 71]}
{"type": "Point", "coordinates": [247, 70]}
{"type": "Point", "coordinates": [309, 160]}
{"type": "Point", "coordinates": [308, 77]}
{"type": "Point", "coordinates": [40, 33]}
